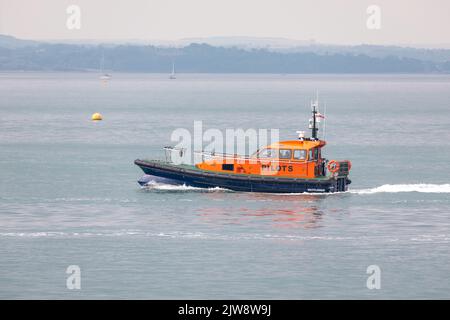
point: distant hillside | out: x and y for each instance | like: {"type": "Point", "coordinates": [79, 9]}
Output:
{"type": "Point", "coordinates": [12, 43]}
{"type": "Point", "coordinates": [284, 45]}
{"type": "Point", "coordinates": [200, 58]}
{"type": "Point", "coordinates": [433, 55]}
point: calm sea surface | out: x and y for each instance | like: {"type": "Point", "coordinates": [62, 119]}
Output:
{"type": "Point", "coordinates": [68, 191]}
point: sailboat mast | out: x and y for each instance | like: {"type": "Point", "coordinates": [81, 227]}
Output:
{"type": "Point", "coordinates": [102, 62]}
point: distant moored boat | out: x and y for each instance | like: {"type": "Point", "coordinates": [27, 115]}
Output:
{"type": "Point", "coordinates": [103, 75]}
{"type": "Point", "coordinates": [172, 75]}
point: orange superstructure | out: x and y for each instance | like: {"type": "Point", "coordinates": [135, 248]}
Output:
{"type": "Point", "coordinates": [292, 158]}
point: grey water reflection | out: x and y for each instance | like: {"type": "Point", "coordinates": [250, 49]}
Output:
{"type": "Point", "coordinates": [273, 211]}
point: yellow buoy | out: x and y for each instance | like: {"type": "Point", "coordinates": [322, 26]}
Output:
{"type": "Point", "coordinates": [96, 116]}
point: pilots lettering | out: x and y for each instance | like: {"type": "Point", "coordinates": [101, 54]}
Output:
{"type": "Point", "coordinates": [282, 168]}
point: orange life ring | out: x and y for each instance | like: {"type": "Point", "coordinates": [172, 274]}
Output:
{"type": "Point", "coordinates": [333, 166]}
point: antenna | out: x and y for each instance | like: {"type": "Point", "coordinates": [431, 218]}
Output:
{"type": "Point", "coordinates": [313, 121]}
{"type": "Point", "coordinates": [313, 125]}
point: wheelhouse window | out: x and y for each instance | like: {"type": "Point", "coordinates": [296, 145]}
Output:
{"type": "Point", "coordinates": [311, 154]}
{"type": "Point", "coordinates": [299, 154]}
{"type": "Point", "coordinates": [285, 153]}
{"type": "Point", "coordinates": [316, 153]}
{"type": "Point", "coordinates": [267, 153]}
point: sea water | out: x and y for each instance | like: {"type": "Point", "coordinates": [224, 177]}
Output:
{"type": "Point", "coordinates": [69, 197]}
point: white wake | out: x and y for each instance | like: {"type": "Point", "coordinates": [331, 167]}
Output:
{"type": "Point", "coordinates": [386, 188]}
{"type": "Point", "coordinates": [394, 188]}
{"type": "Point", "coordinates": [171, 187]}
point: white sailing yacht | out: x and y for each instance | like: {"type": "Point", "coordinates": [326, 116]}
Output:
{"type": "Point", "coordinates": [103, 76]}
{"type": "Point", "coordinates": [172, 75]}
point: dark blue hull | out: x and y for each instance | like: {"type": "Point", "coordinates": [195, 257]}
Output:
{"type": "Point", "coordinates": [190, 176]}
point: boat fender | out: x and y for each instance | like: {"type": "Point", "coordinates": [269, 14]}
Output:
{"type": "Point", "coordinates": [333, 166]}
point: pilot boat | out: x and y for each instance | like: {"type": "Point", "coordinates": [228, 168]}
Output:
{"type": "Point", "coordinates": [292, 166]}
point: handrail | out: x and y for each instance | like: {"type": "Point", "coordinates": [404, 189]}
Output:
{"type": "Point", "coordinates": [240, 157]}
{"type": "Point", "coordinates": [206, 152]}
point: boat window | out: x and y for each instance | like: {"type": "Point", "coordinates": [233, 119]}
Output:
{"type": "Point", "coordinates": [285, 153]}
{"type": "Point", "coordinates": [311, 154]}
{"type": "Point", "coordinates": [228, 167]}
{"type": "Point", "coordinates": [300, 154]}
{"type": "Point", "coordinates": [267, 153]}
{"type": "Point", "coordinates": [316, 153]}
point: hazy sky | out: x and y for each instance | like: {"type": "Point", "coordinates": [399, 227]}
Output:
{"type": "Point", "coordinates": [424, 22]}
